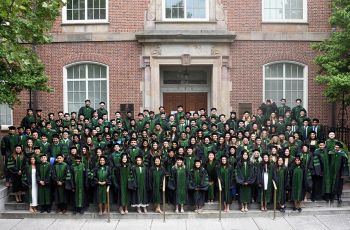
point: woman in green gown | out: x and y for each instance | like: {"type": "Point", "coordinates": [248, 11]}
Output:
{"type": "Point", "coordinates": [139, 194]}
{"type": "Point", "coordinates": [225, 173]}
{"type": "Point", "coordinates": [245, 177]}
{"type": "Point", "coordinates": [198, 183]}
{"type": "Point", "coordinates": [178, 182]}
{"type": "Point", "coordinates": [210, 166]}
{"type": "Point", "coordinates": [281, 178]}
{"type": "Point", "coordinates": [265, 175]}
{"type": "Point", "coordinates": [157, 174]}
{"type": "Point", "coordinates": [16, 165]}
{"type": "Point", "coordinates": [102, 180]}
{"type": "Point", "coordinates": [123, 172]}
{"type": "Point", "coordinates": [297, 183]}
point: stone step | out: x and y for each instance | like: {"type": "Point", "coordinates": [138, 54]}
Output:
{"type": "Point", "coordinates": [12, 205]}
{"type": "Point", "coordinates": [21, 214]}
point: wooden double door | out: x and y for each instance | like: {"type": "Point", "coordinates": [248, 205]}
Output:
{"type": "Point", "coordinates": [190, 101]}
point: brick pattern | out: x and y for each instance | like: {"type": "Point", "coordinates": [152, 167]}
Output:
{"type": "Point", "coordinates": [246, 16]}
{"type": "Point", "coordinates": [247, 73]}
{"type": "Point", "coordinates": [124, 72]}
{"type": "Point", "coordinates": [123, 58]}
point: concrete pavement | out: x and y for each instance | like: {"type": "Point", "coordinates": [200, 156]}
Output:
{"type": "Point", "coordinates": [316, 222]}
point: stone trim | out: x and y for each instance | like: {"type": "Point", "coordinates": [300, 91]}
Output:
{"type": "Point", "coordinates": [228, 37]}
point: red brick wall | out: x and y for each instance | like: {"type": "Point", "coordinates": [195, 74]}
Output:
{"type": "Point", "coordinates": [246, 16]}
{"type": "Point", "coordinates": [248, 58]}
{"type": "Point", "coordinates": [123, 59]}
{"type": "Point", "coordinates": [242, 16]}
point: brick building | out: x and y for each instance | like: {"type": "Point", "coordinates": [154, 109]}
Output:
{"type": "Point", "coordinates": [228, 54]}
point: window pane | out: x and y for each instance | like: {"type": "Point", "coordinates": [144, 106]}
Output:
{"type": "Point", "coordinates": [77, 90]}
{"type": "Point", "coordinates": [75, 10]}
{"type": "Point", "coordinates": [174, 9]}
{"type": "Point", "coordinates": [273, 9]}
{"type": "Point", "coordinates": [195, 8]}
{"type": "Point", "coordinates": [293, 9]}
{"type": "Point", "coordinates": [274, 71]}
{"type": "Point", "coordinates": [5, 115]}
{"type": "Point", "coordinates": [102, 14]}
{"type": "Point", "coordinates": [293, 79]}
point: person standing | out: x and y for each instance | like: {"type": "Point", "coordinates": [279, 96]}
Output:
{"type": "Point", "coordinates": [86, 110]}
{"type": "Point", "coordinates": [198, 183]}
{"type": "Point", "coordinates": [338, 170]}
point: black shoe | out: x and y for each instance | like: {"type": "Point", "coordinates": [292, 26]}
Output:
{"type": "Point", "coordinates": [81, 212]}
{"type": "Point", "coordinates": [42, 211]}
{"type": "Point", "coordinates": [299, 209]}
{"type": "Point", "coordinates": [48, 210]}
{"type": "Point", "coordinates": [74, 212]}
{"type": "Point", "coordinates": [294, 209]}
{"type": "Point", "coordinates": [339, 202]}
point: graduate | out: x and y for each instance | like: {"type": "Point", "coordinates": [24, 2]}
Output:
{"type": "Point", "coordinates": [59, 176]}
{"type": "Point", "coordinates": [157, 174]}
{"type": "Point", "coordinates": [225, 173]}
{"type": "Point", "coordinates": [245, 177]}
{"type": "Point", "coordinates": [306, 160]}
{"type": "Point", "coordinates": [29, 180]}
{"type": "Point", "coordinates": [122, 177]}
{"type": "Point", "coordinates": [178, 183]}
{"type": "Point", "coordinates": [265, 175]}
{"type": "Point", "coordinates": [339, 169]}
{"type": "Point", "coordinates": [189, 158]}
{"type": "Point", "coordinates": [210, 166]}
{"type": "Point", "coordinates": [255, 160]}
{"type": "Point", "coordinates": [140, 175]}
{"type": "Point", "coordinates": [79, 183]}
{"type": "Point", "coordinates": [318, 164]}
{"type": "Point", "coordinates": [298, 183]}
{"type": "Point", "coordinates": [102, 180]}
{"type": "Point", "coordinates": [198, 182]}
{"type": "Point", "coordinates": [16, 165]}
{"type": "Point", "coordinates": [43, 177]}
{"type": "Point", "coordinates": [323, 156]}
{"type": "Point", "coordinates": [282, 183]}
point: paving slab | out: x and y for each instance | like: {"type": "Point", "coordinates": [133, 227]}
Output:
{"type": "Point", "coordinates": [100, 224]}
{"type": "Point", "coordinates": [270, 224]}
{"type": "Point", "coordinates": [37, 224]}
{"type": "Point", "coordinates": [171, 224]}
{"type": "Point", "coordinates": [203, 224]}
{"type": "Point", "coordinates": [132, 224]}
{"type": "Point", "coordinates": [6, 224]}
{"type": "Point", "coordinates": [335, 222]}
{"type": "Point", "coordinates": [238, 224]}
{"type": "Point", "coordinates": [69, 224]}
{"type": "Point", "coordinates": [305, 223]}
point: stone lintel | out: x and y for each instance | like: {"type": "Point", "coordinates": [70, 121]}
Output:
{"type": "Point", "coordinates": [215, 37]}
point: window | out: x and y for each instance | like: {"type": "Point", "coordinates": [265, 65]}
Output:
{"type": "Point", "coordinates": [85, 11]}
{"type": "Point", "coordinates": [5, 115]}
{"type": "Point", "coordinates": [195, 77]}
{"type": "Point", "coordinates": [284, 10]}
{"type": "Point", "coordinates": [186, 10]}
{"type": "Point", "coordinates": [285, 80]}
{"type": "Point", "coordinates": [85, 81]}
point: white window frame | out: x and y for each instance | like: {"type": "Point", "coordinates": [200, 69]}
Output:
{"type": "Point", "coordinates": [65, 85]}
{"type": "Point", "coordinates": [304, 20]}
{"type": "Point", "coordinates": [6, 126]}
{"type": "Point", "coordinates": [85, 21]}
{"type": "Point", "coordinates": [305, 79]}
{"type": "Point", "coordinates": [185, 19]}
